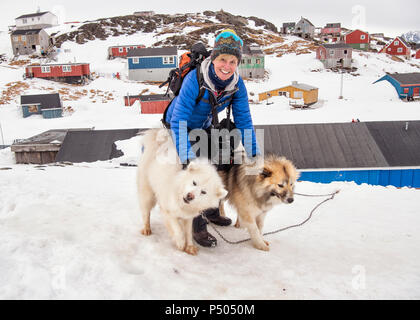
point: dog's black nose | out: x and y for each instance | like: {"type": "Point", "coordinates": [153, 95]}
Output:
{"type": "Point", "coordinates": [290, 200]}
{"type": "Point", "coordinates": [190, 196]}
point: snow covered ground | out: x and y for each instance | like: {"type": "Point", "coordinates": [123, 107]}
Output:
{"type": "Point", "coordinates": [73, 231]}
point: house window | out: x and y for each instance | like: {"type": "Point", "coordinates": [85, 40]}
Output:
{"type": "Point", "coordinates": [33, 109]}
{"type": "Point", "coordinates": [396, 43]}
{"type": "Point", "coordinates": [45, 69]}
{"type": "Point", "coordinates": [66, 68]}
{"type": "Point", "coordinates": [400, 50]}
{"type": "Point", "coordinates": [406, 90]}
{"type": "Point", "coordinates": [362, 46]}
{"type": "Point", "coordinates": [362, 37]}
{"type": "Point", "coordinates": [168, 60]}
{"type": "Point", "coordinates": [345, 51]}
{"type": "Point", "coordinates": [120, 50]}
{"type": "Point", "coordinates": [136, 60]}
{"type": "Point", "coordinates": [23, 38]}
{"type": "Point", "coordinates": [15, 39]}
{"type": "Point", "coordinates": [249, 61]}
{"type": "Point", "coordinates": [243, 61]}
{"type": "Point", "coordinates": [389, 49]}
{"type": "Point", "coordinates": [39, 18]}
{"type": "Point", "coordinates": [258, 61]}
{"type": "Point", "coordinates": [298, 94]}
{"type": "Point", "coordinates": [25, 21]}
{"type": "Point", "coordinates": [331, 52]}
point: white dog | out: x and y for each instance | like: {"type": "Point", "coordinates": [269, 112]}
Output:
{"type": "Point", "coordinates": [180, 194]}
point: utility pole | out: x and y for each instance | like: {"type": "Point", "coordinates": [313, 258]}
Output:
{"type": "Point", "coordinates": [341, 85]}
{"type": "Point", "coordinates": [2, 138]}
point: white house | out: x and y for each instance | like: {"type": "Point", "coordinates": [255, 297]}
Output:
{"type": "Point", "coordinates": [37, 20]}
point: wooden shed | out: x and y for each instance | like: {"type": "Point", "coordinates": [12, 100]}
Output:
{"type": "Point", "coordinates": [154, 103]}
{"type": "Point", "coordinates": [39, 149]}
{"type": "Point", "coordinates": [49, 105]}
{"type": "Point", "coordinates": [296, 90]}
{"type": "Point", "coordinates": [129, 100]}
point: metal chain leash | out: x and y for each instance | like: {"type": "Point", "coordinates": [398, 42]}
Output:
{"type": "Point", "coordinates": [330, 195]}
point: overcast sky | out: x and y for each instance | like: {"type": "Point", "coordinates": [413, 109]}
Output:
{"type": "Point", "coordinates": [389, 16]}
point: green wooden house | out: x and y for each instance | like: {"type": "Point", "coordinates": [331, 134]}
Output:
{"type": "Point", "coordinates": [252, 62]}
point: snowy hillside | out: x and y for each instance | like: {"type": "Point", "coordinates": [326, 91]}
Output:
{"type": "Point", "coordinates": [100, 104]}
{"type": "Point", "coordinates": [73, 231]}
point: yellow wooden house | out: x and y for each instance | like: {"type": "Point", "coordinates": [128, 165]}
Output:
{"type": "Point", "coordinates": [296, 90]}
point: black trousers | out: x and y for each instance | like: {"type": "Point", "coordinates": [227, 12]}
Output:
{"type": "Point", "coordinates": [199, 224]}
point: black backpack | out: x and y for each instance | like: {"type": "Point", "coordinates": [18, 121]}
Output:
{"type": "Point", "coordinates": [188, 61]}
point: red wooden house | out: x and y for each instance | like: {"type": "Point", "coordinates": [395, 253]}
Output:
{"type": "Point", "coordinates": [66, 72]}
{"type": "Point", "coordinates": [129, 100]}
{"type": "Point", "coordinates": [398, 47]}
{"type": "Point", "coordinates": [331, 31]}
{"type": "Point", "coordinates": [154, 103]}
{"type": "Point", "coordinates": [357, 39]}
{"type": "Point", "coordinates": [121, 51]}
{"type": "Point", "coordinates": [417, 55]}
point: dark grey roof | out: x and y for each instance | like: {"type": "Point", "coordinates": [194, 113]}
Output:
{"type": "Point", "coordinates": [25, 32]}
{"type": "Point", "coordinates": [406, 78]}
{"type": "Point", "coordinates": [333, 25]}
{"type": "Point", "coordinates": [310, 146]}
{"type": "Point", "coordinates": [289, 24]}
{"type": "Point", "coordinates": [345, 145]}
{"type": "Point", "coordinates": [247, 50]}
{"type": "Point", "coordinates": [399, 146]}
{"type": "Point", "coordinates": [44, 138]}
{"type": "Point", "coordinates": [417, 46]}
{"type": "Point", "coordinates": [154, 97]}
{"type": "Point", "coordinates": [47, 101]}
{"type": "Point", "coordinates": [32, 15]}
{"type": "Point", "coordinates": [90, 146]}
{"type": "Point", "coordinates": [335, 45]}
{"type": "Point", "coordinates": [144, 52]}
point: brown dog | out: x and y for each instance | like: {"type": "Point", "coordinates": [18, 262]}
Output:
{"type": "Point", "coordinates": [253, 189]}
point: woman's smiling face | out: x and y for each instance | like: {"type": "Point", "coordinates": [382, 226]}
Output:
{"type": "Point", "coordinates": [225, 65]}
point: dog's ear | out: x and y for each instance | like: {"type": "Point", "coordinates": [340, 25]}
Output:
{"type": "Point", "coordinates": [266, 173]}
{"type": "Point", "coordinates": [291, 171]}
{"type": "Point", "coordinates": [221, 193]}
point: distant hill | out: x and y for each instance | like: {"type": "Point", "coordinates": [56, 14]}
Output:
{"type": "Point", "coordinates": [181, 30]}
{"type": "Point", "coordinates": [412, 36]}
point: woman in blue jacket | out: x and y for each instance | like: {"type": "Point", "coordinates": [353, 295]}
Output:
{"type": "Point", "coordinates": [223, 87]}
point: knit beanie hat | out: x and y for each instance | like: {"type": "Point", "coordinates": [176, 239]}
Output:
{"type": "Point", "coordinates": [227, 42]}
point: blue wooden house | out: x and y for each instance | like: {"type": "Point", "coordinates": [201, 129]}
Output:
{"type": "Point", "coordinates": [49, 105]}
{"type": "Point", "coordinates": [377, 153]}
{"type": "Point", "coordinates": [151, 64]}
{"type": "Point", "coordinates": [406, 84]}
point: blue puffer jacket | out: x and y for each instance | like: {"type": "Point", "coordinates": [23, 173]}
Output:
{"type": "Point", "coordinates": [184, 113]}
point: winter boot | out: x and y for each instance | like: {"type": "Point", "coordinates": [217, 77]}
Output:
{"type": "Point", "coordinates": [214, 216]}
{"type": "Point", "coordinates": [200, 233]}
